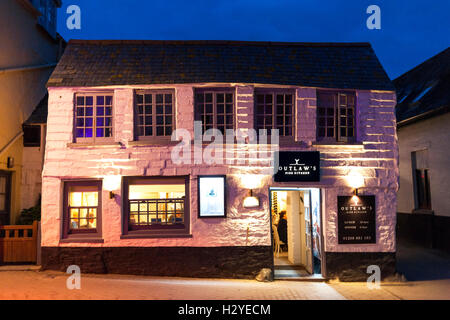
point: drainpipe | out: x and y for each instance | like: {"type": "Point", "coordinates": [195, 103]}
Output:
{"type": "Point", "coordinates": [10, 143]}
{"type": "Point", "coordinates": [27, 68]}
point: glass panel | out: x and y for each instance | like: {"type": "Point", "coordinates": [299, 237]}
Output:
{"type": "Point", "coordinates": [83, 224]}
{"type": "Point", "coordinates": [156, 191]}
{"type": "Point", "coordinates": [74, 213]}
{"type": "Point", "coordinates": [88, 133]}
{"type": "Point", "coordinates": [83, 196]}
{"type": "Point", "coordinates": [100, 100]}
{"type": "Point", "coordinates": [74, 224]}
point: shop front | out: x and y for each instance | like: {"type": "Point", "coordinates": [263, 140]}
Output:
{"type": "Point", "coordinates": [142, 175]}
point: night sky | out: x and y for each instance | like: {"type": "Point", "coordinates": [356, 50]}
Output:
{"type": "Point", "coordinates": [411, 30]}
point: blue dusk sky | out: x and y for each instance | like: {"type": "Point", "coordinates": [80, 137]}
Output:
{"type": "Point", "coordinates": [411, 30]}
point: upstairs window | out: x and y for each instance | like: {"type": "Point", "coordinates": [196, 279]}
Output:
{"type": "Point", "coordinates": [275, 110]}
{"type": "Point", "coordinates": [31, 135]}
{"type": "Point", "coordinates": [215, 109]}
{"type": "Point", "coordinates": [47, 20]}
{"type": "Point", "coordinates": [154, 114]}
{"type": "Point", "coordinates": [94, 117]}
{"type": "Point", "coordinates": [336, 116]}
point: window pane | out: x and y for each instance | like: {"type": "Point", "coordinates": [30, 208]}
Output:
{"type": "Point", "coordinates": [83, 196]}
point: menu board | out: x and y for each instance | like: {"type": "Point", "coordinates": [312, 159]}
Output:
{"type": "Point", "coordinates": [211, 196]}
{"type": "Point", "coordinates": [356, 219]}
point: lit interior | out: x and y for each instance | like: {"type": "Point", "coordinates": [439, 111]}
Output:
{"type": "Point", "coordinates": [156, 191]}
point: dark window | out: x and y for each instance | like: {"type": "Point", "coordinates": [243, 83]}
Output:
{"type": "Point", "coordinates": [47, 19]}
{"type": "Point", "coordinates": [275, 110]}
{"type": "Point", "coordinates": [421, 178]}
{"type": "Point", "coordinates": [31, 136]}
{"type": "Point", "coordinates": [215, 109]}
{"type": "Point", "coordinates": [157, 204]}
{"type": "Point", "coordinates": [93, 117]}
{"type": "Point", "coordinates": [82, 207]}
{"type": "Point", "coordinates": [336, 116]}
{"type": "Point", "coordinates": [154, 113]}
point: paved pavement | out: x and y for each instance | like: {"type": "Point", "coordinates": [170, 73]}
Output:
{"type": "Point", "coordinates": [428, 272]}
{"type": "Point", "coordinates": [52, 285]}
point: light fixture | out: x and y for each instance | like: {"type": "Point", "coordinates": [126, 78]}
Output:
{"type": "Point", "coordinates": [10, 162]}
{"type": "Point", "coordinates": [111, 183]}
{"type": "Point", "coordinates": [356, 181]}
{"type": "Point", "coordinates": [251, 201]}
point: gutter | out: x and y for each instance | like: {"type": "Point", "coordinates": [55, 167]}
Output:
{"type": "Point", "coordinates": [26, 68]}
{"type": "Point", "coordinates": [423, 116]}
{"type": "Point", "coordinates": [10, 143]}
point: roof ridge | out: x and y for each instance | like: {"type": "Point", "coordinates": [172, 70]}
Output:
{"type": "Point", "coordinates": [219, 42]}
{"type": "Point", "coordinates": [423, 63]}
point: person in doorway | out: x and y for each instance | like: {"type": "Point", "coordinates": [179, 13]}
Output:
{"type": "Point", "coordinates": [282, 227]}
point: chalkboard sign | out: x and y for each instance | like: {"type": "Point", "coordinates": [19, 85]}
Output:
{"type": "Point", "coordinates": [356, 219]}
{"type": "Point", "coordinates": [293, 166]}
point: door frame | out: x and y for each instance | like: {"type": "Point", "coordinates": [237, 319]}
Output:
{"type": "Point", "coordinates": [321, 201]}
{"type": "Point", "coordinates": [7, 212]}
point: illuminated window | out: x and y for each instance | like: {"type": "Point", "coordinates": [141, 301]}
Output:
{"type": "Point", "coordinates": [157, 203]}
{"type": "Point", "coordinates": [154, 113]}
{"type": "Point", "coordinates": [93, 117]}
{"type": "Point", "coordinates": [336, 116]}
{"type": "Point", "coordinates": [82, 201]}
{"type": "Point", "coordinates": [275, 110]}
{"type": "Point", "coordinates": [215, 109]}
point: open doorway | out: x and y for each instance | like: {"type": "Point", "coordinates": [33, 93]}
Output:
{"type": "Point", "coordinates": [296, 232]}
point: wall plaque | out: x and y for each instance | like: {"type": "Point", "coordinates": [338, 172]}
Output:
{"type": "Point", "coordinates": [356, 219]}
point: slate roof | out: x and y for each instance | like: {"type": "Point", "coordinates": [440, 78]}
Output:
{"type": "Point", "coordinates": [131, 62]}
{"type": "Point", "coordinates": [39, 114]}
{"type": "Point", "coordinates": [424, 90]}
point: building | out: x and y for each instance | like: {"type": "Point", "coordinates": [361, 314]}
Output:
{"type": "Point", "coordinates": [30, 50]}
{"type": "Point", "coordinates": [424, 134]}
{"type": "Point", "coordinates": [119, 196]}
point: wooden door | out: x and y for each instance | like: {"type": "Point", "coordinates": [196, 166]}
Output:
{"type": "Point", "coordinates": [5, 197]}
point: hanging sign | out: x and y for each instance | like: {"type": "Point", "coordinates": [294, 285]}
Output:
{"type": "Point", "coordinates": [356, 219]}
{"type": "Point", "coordinates": [297, 166]}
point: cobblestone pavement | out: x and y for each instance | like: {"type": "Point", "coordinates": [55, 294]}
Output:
{"type": "Point", "coordinates": [52, 285]}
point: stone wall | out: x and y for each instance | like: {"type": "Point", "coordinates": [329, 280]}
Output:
{"type": "Point", "coordinates": [199, 262]}
{"type": "Point", "coordinates": [375, 158]}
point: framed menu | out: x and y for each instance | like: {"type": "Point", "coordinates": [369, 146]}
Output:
{"type": "Point", "coordinates": [356, 219]}
{"type": "Point", "coordinates": [211, 197]}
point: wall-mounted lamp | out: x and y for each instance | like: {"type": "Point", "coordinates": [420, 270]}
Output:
{"type": "Point", "coordinates": [112, 183]}
{"type": "Point", "coordinates": [356, 181]}
{"type": "Point", "coordinates": [251, 201]}
{"type": "Point", "coordinates": [10, 162]}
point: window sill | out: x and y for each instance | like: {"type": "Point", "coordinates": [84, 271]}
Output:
{"type": "Point", "coordinates": [81, 240]}
{"type": "Point", "coordinates": [144, 235]}
{"type": "Point", "coordinates": [158, 142]}
{"type": "Point", "coordinates": [79, 145]}
{"type": "Point", "coordinates": [350, 145]}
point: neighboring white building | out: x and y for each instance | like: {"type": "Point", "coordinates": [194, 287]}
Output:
{"type": "Point", "coordinates": [423, 122]}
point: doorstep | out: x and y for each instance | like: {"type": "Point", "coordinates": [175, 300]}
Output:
{"type": "Point", "coordinates": [30, 267]}
{"type": "Point", "coordinates": [295, 273]}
